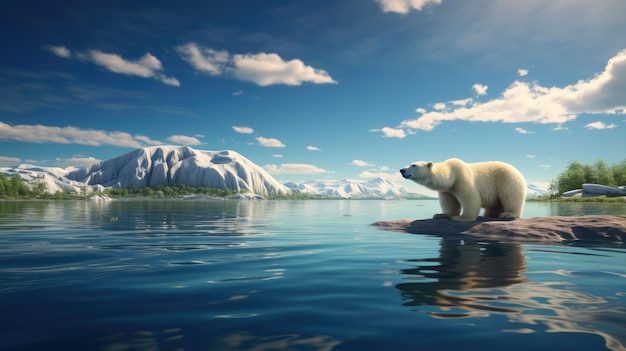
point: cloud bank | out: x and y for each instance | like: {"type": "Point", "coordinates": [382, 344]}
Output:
{"type": "Point", "coordinates": [262, 69]}
{"type": "Point", "coordinates": [41, 134]}
{"type": "Point", "coordinates": [9, 161]}
{"type": "Point", "coordinates": [76, 161]}
{"type": "Point", "coordinates": [530, 102]}
{"type": "Point", "coordinates": [293, 168]}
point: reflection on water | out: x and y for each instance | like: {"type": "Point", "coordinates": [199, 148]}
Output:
{"type": "Point", "coordinates": [559, 308]}
{"type": "Point", "coordinates": [243, 341]}
{"type": "Point", "coordinates": [473, 278]}
{"type": "Point", "coordinates": [174, 339]}
{"type": "Point", "coordinates": [463, 264]}
{"type": "Point", "coordinates": [288, 275]}
{"type": "Point", "coordinates": [537, 209]}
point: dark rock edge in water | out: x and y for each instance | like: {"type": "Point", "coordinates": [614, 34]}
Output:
{"type": "Point", "coordinates": [588, 229]}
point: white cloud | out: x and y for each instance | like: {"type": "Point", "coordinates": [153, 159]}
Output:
{"type": "Point", "coordinates": [71, 135]}
{"type": "Point", "coordinates": [76, 161]}
{"type": "Point", "coordinates": [393, 133]}
{"type": "Point", "coordinates": [60, 51]}
{"type": "Point", "coordinates": [184, 140]}
{"type": "Point", "coordinates": [524, 102]}
{"type": "Point", "coordinates": [269, 142]}
{"type": "Point", "coordinates": [462, 102]}
{"type": "Point", "coordinates": [277, 155]}
{"type": "Point", "coordinates": [293, 168]}
{"type": "Point", "coordinates": [531, 156]}
{"type": "Point", "coordinates": [361, 163]}
{"type": "Point", "coordinates": [560, 127]}
{"type": "Point", "coordinates": [204, 59]}
{"type": "Point", "coordinates": [263, 68]}
{"type": "Point", "coordinates": [522, 72]}
{"type": "Point", "coordinates": [243, 130]}
{"type": "Point", "coordinates": [439, 106]}
{"type": "Point", "coordinates": [269, 69]}
{"type": "Point", "coordinates": [9, 161]}
{"type": "Point", "coordinates": [480, 89]}
{"type": "Point", "coordinates": [313, 148]}
{"type": "Point", "coordinates": [600, 125]}
{"type": "Point", "coordinates": [148, 66]}
{"type": "Point", "coordinates": [404, 6]}
{"type": "Point", "coordinates": [147, 141]}
{"type": "Point", "coordinates": [523, 131]}
{"type": "Point", "coordinates": [243, 93]}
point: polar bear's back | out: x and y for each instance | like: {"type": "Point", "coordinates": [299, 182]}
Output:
{"type": "Point", "coordinates": [495, 179]}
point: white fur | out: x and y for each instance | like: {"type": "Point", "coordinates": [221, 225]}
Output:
{"type": "Point", "coordinates": [497, 187]}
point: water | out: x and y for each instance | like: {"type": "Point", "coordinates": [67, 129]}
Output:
{"type": "Point", "coordinates": [294, 275]}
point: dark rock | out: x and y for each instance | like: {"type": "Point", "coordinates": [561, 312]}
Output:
{"type": "Point", "coordinates": [554, 229]}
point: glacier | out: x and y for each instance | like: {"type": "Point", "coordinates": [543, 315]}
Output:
{"type": "Point", "coordinates": [352, 188]}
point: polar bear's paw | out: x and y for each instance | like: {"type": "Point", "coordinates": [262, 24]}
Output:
{"type": "Point", "coordinates": [462, 219]}
{"type": "Point", "coordinates": [441, 216]}
{"type": "Point", "coordinates": [507, 215]}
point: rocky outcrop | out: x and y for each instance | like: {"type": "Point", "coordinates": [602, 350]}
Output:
{"type": "Point", "coordinates": [553, 229]}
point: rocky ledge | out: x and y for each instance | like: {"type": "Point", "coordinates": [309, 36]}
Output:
{"type": "Point", "coordinates": [554, 229]}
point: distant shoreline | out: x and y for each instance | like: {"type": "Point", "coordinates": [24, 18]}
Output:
{"type": "Point", "coordinates": [586, 199]}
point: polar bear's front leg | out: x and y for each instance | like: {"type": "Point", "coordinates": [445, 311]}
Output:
{"type": "Point", "coordinates": [449, 205]}
{"type": "Point", "coordinates": [470, 203]}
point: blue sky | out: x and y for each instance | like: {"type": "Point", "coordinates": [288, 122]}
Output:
{"type": "Point", "coordinates": [326, 89]}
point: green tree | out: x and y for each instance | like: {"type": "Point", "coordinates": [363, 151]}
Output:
{"type": "Point", "coordinates": [572, 178]}
{"type": "Point", "coordinates": [3, 185]}
{"type": "Point", "coordinates": [599, 172]}
{"type": "Point", "coordinates": [40, 189]}
{"type": "Point", "coordinates": [619, 173]}
{"type": "Point", "coordinates": [603, 174]}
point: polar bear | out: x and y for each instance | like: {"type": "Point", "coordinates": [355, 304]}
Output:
{"type": "Point", "coordinates": [497, 187]}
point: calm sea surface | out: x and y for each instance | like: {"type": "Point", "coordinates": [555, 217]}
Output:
{"type": "Point", "coordinates": [294, 275]}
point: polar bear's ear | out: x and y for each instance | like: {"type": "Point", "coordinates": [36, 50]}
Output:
{"type": "Point", "coordinates": [430, 164]}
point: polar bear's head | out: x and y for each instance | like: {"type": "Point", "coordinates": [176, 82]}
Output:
{"type": "Point", "coordinates": [419, 172]}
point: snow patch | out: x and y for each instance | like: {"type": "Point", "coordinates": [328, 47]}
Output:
{"type": "Point", "coordinates": [351, 188]}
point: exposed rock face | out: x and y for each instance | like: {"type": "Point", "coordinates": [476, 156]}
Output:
{"type": "Point", "coordinates": [554, 229]}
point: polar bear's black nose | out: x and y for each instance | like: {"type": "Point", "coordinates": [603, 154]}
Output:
{"type": "Point", "coordinates": [402, 172]}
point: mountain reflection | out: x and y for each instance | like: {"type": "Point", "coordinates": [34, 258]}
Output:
{"type": "Point", "coordinates": [473, 278]}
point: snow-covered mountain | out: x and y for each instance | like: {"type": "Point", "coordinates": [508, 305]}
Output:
{"type": "Point", "coordinates": [53, 177]}
{"type": "Point", "coordinates": [537, 190]}
{"type": "Point", "coordinates": [158, 165]}
{"type": "Point", "coordinates": [350, 188]}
